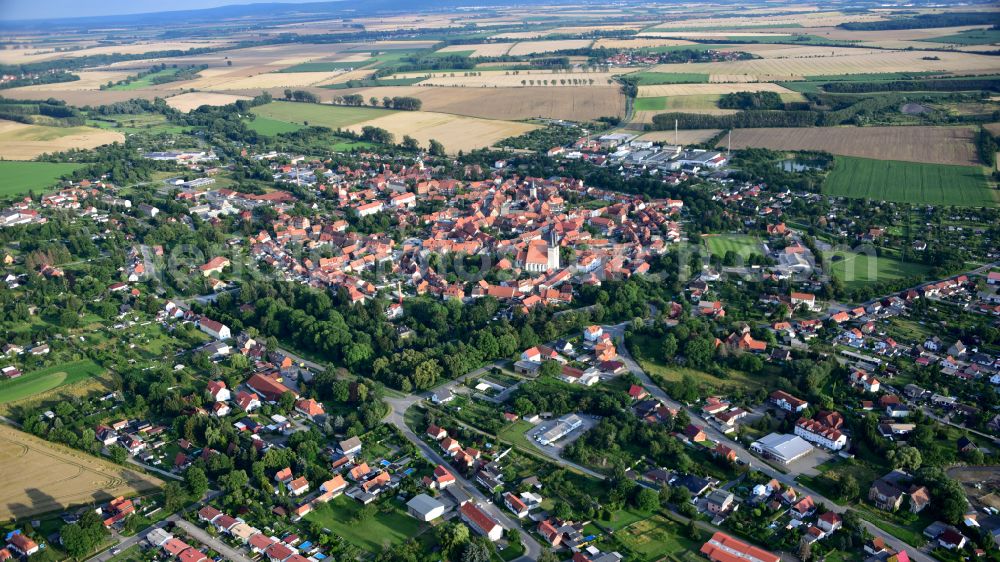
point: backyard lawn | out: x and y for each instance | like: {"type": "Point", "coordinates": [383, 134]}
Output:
{"type": "Point", "coordinates": [384, 528]}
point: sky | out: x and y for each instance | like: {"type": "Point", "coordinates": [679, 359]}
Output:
{"type": "Point", "coordinates": [42, 9]}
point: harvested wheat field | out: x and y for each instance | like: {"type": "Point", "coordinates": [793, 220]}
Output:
{"type": "Point", "coordinates": [19, 141]}
{"type": "Point", "coordinates": [31, 465]}
{"type": "Point", "coordinates": [574, 104]}
{"type": "Point", "coordinates": [220, 79]}
{"type": "Point", "coordinates": [89, 80]}
{"type": "Point", "coordinates": [80, 98]}
{"type": "Point", "coordinates": [455, 132]}
{"type": "Point", "coordinates": [529, 78]}
{"type": "Point", "coordinates": [480, 49]}
{"type": "Point", "coordinates": [860, 62]}
{"type": "Point", "coordinates": [810, 19]}
{"type": "Point", "coordinates": [194, 100]}
{"type": "Point", "coordinates": [25, 56]}
{"type": "Point", "coordinates": [533, 47]}
{"type": "Point", "coordinates": [690, 136]}
{"type": "Point", "coordinates": [936, 145]}
{"type": "Point", "coordinates": [645, 43]}
{"type": "Point", "coordinates": [704, 89]}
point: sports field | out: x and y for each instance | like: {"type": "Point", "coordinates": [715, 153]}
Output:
{"type": "Point", "coordinates": [47, 379]}
{"type": "Point", "coordinates": [742, 244]}
{"type": "Point", "coordinates": [40, 477]}
{"type": "Point", "coordinates": [333, 116]}
{"type": "Point", "coordinates": [19, 177]}
{"type": "Point", "coordinates": [271, 127]}
{"type": "Point", "coordinates": [856, 269]}
{"type": "Point", "coordinates": [909, 182]}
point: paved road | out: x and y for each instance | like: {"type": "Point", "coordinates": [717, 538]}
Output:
{"type": "Point", "coordinates": [532, 549]}
{"type": "Point", "coordinates": [159, 471]}
{"type": "Point", "coordinates": [124, 543]}
{"type": "Point", "coordinates": [215, 544]}
{"type": "Point", "coordinates": [714, 434]}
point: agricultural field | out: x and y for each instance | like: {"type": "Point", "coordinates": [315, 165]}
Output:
{"type": "Point", "coordinates": [454, 131]}
{"type": "Point", "coordinates": [329, 66]}
{"type": "Point", "coordinates": [857, 269]}
{"type": "Point", "coordinates": [524, 78]}
{"type": "Point", "coordinates": [937, 145]}
{"type": "Point", "coordinates": [19, 177]}
{"type": "Point", "coordinates": [19, 141]}
{"type": "Point", "coordinates": [856, 61]}
{"type": "Point", "coordinates": [651, 78]}
{"type": "Point", "coordinates": [152, 123]}
{"type": "Point", "coordinates": [194, 100]}
{"type": "Point", "coordinates": [25, 56]}
{"type": "Point", "coordinates": [332, 116]}
{"type": "Point", "coordinates": [41, 477]}
{"type": "Point", "coordinates": [969, 37]}
{"type": "Point", "coordinates": [47, 379]}
{"type": "Point", "coordinates": [689, 136]}
{"type": "Point", "coordinates": [518, 48]}
{"type": "Point", "coordinates": [909, 182]}
{"type": "Point", "coordinates": [651, 91]}
{"type": "Point", "coordinates": [742, 244]}
{"type": "Point", "coordinates": [270, 127]}
{"type": "Point", "coordinates": [577, 104]}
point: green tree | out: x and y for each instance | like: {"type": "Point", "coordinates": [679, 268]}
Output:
{"type": "Point", "coordinates": [435, 148]}
{"type": "Point", "coordinates": [118, 454]}
{"type": "Point", "coordinates": [196, 482]}
{"type": "Point", "coordinates": [647, 499]}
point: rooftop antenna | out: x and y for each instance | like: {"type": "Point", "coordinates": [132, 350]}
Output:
{"type": "Point", "coordinates": [675, 133]}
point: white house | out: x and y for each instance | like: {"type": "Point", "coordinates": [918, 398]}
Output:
{"type": "Point", "coordinates": [215, 329]}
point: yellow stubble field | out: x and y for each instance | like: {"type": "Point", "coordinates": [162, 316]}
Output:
{"type": "Point", "coordinates": [41, 477]}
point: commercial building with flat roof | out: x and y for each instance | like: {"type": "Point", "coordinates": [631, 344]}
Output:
{"type": "Point", "coordinates": [781, 447]}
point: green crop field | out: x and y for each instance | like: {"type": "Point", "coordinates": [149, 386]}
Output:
{"type": "Point", "coordinates": [696, 101]}
{"type": "Point", "coordinates": [333, 116]}
{"type": "Point", "coordinates": [909, 182]}
{"type": "Point", "coordinates": [856, 269]}
{"type": "Point", "coordinates": [338, 515]}
{"type": "Point", "coordinates": [742, 244]}
{"type": "Point", "coordinates": [653, 78]}
{"type": "Point", "coordinates": [325, 66]}
{"type": "Point", "coordinates": [47, 379]}
{"type": "Point", "coordinates": [970, 37]}
{"type": "Point", "coordinates": [271, 127]}
{"type": "Point", "coordinates": [19, 177]}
